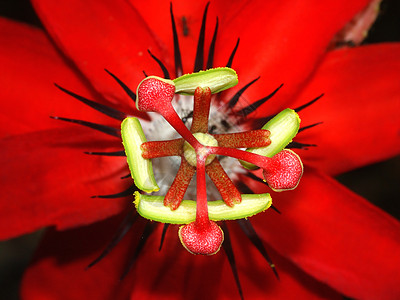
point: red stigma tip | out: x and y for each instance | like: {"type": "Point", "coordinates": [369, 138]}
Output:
{"type": "Point", "coordinates": [205, 239]}
{"type": "Point", "coordinates": [153, 94]}
{"type": "Point", "coordinates": [284, 172]}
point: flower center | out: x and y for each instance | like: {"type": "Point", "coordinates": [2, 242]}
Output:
{"type": "Point", "coordinates": [206, 140]}
{"type": "Point", "coordinates": [198, 149]}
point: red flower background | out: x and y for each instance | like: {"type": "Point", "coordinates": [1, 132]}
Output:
{"type": "Point", "coordinates": [295, 278]}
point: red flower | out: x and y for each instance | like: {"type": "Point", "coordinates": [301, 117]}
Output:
{"type": "Point", "coordinates": [327, 241]}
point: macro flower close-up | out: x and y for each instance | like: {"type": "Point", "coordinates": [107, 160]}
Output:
{"type": "Point", "coordinates": [188, 150]}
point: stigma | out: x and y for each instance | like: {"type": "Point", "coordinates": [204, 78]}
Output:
{"type": "Point", "coordinates": [200, 152]}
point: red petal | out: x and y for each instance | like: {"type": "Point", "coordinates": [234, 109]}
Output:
{"type": "Point", "coordinates": [102, 34]}
{"type": "Point", "coordinates": [335, 236]}
{"type": "Point", "coordinates": [28, 93]}
{"type": "Point", "coordinates": [273, 37]}
{"type": "Point", "coordinates": [48, 180]}
{"type": "Point", "coordinates": [282, 41]}
{"type": "Point", "coordinates": [188, 19]}
{"type": "Point", "coordinates": [360, 109]}
{"type": "Point", "coordinates": [58, 271]}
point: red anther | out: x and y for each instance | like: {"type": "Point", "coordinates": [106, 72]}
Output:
{"type": "Point", "coordinates": [154, 94]}
{"type": "Point", "coordinates": [284, 171]}
{"type": "Point", "coordinates": [201, 238]}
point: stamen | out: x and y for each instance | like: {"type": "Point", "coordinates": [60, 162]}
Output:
{"type": "Point", "coordinates": [108, 111]}
{"type": "Point", "coordinates": [224, 184]}
{"type": "Point", "coordinates": [201, 109]}
{"type": "Point", "coordinates": [211, 51]}
{"type": "Point", "coordinates": [199, 61]}
{"type": "Point", "coordinates": [162, 148]}
{"type": "Point", "coordinates": [309, 126]}
{"type": "Point", "coordinates": [102, 128]}
{"type": "Point", "coordinates": [247, 139]}
{"type": "Point", "coordinates": [175, 194]}
{"type": "Point", "coordinates": [163, 68]}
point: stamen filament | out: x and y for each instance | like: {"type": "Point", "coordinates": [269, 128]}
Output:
{"type": "Point", "coordinates": [175, 194]}
{"type": "Point", "coordinates": [162, 148]}
{"type": "Point", "coordinates": [247, 139]}
{"type": "Point", "coordinates": [201, 109]}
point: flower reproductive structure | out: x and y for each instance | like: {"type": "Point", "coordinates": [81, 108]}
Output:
{"type": "Point", "coordinates": [200, 152]}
